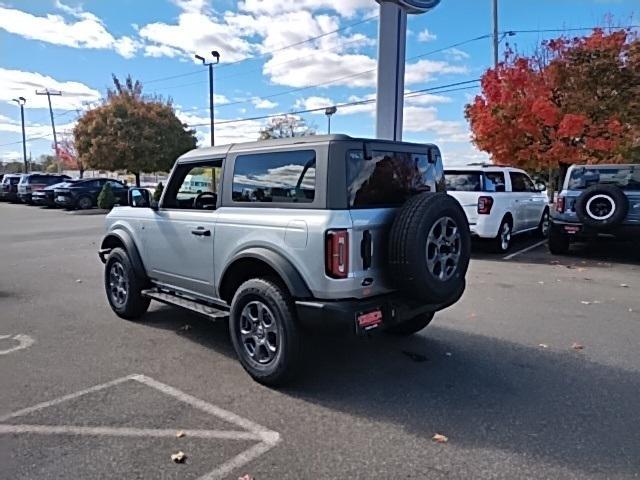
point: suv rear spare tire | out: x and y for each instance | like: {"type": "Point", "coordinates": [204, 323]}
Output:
{"type": "Point", "coordinates": [602, 206]}
{"type": "Point", "coordinates": [429, 247]}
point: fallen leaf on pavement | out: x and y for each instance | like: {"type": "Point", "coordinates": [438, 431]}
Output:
{"type": "Point", "coordinates": [541, 282]}
{"type": "Point", "coordinates": [185, 327]}
{"type": "Point", "coordinates": [246, 477]}
{"type": "Point", "coordinates": [584, 302]}
{"type": "Point", "coordinates": [543, 345]}
{"type": "Point", "coordinates": [439, 438]}
{"type": "Point", "coordinates": [78, 281]}
{"type": "Point", "coordinates": [577, 346]}
{"type": "Point", "coordinates": [416, 357]}
{"type": "Point", "coordinates": [180, 434]}
{"type": "Point", "coordinates": [179, 457]}
{"type": "Point", "coordinates": [448, 354]}
{"type": "Point", "coordinates": [624, 285]}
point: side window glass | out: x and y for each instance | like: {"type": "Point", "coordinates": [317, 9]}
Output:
{"type": "Point", "coordinates": [283, 177]}
{"type": "Point", "coordinates": [193, 187]}
{"type": "Point", "coordinates": [529, 183]}
{"type": "Point", "coordinates": [494, 182]}
{"type": "Point", "coordinates": [518, 183]}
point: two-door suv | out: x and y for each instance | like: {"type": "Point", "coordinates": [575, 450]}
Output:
{"type": "Point", "coordinates": [285, 237]}
{"type": "Point", "coordinates": [596, 201]}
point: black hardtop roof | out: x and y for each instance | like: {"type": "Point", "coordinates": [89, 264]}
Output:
{"type": "Point", "coordinates": [222, 150]}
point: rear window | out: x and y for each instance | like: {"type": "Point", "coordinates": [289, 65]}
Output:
{"type": "Point", "coordinates": [388, 179]}
{"type": "Point", "coordinates": [465, 181]}
{"type": "Point", "coordinates": [283, 177]}
{"type": "Point", "coordinates": [627, 177]}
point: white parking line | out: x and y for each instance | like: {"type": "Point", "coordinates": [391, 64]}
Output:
{"type": "Point", "coordinates": [525, 250]}
{"type": "Point", "coordinates": [250, 431]}
{"type": "Point", "coordinates": [24, 341]}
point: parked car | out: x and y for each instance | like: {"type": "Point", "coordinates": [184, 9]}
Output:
{"type": "Point", "coordinates": [83, 194]}
{"type": "Point", "coordinates": [46, 196]}
{"type": "Point", "coordinates": [499, 202]}
{"type": "Point", "coordinates": [291, 243]}
{"type": "Point", "coordinates": [9, 187]}
{"type": "Point", "coordinates": [33, 182]}
{"type": "Point", "coordinates": [596, 201]}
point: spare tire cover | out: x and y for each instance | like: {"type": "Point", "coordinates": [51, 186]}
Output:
{"type": "Point", "coordinates": [429, 247]}
{"type": "Point", "coordinates": [602, 206]}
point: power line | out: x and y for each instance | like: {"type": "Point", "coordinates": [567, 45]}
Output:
{"type": "Point", "coordinates": [576, 29]}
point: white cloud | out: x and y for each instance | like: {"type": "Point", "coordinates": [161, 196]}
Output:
{"type": "Point", "coordinates": [456, 54]}
{"type": "Point", "coordinates": [88, 31]}
{"type": "Point", "coordinates": [426, 70]}
{"type": "Point", "coordinates": [263, 104]}
{"type": "Point", "coordinates": [313, 102]}
{"type": "Point", "coordinates": [346, 8]}
{"type": "Point", "coordinates": [16, 83]}
{"type": "Point", "coordinates": [426, 36]}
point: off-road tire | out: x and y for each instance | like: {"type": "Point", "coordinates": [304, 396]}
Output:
{"type": "Point", "coordinates": [558, 241]}
{"type": "Point", "coordinates": [411, 326]}
{"type": "Point", "coordinates": [408, 242]}
{"type": "Point", "coordinates": [286, 362]}
{"type": "Point", "coordinates": [610, 193]}
{"type": "Point", "coordinates": [135, 305]}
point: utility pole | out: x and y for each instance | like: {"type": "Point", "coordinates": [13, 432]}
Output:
{"type": "Point", "coordinates": [21, 101]}
{"type": "Point", "coordinates": [495, 33]}
{"type": "Point", "coordinates": [216, 56]}
{"type": "Point", "coordinates": [328, 112]}
{"type": "Point", "coordinates": [48, 93]}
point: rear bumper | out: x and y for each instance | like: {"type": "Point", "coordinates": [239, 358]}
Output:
{"type": "Point", "coordinates": [485, 226]}
{"type": "Point", "coordinates": [578, 231]}
{"type": "Point", "coordinates": [341, 316]}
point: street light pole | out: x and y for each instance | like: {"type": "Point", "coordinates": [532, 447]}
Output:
{"type": "Point", "coordinates": [48, 93]}
{"type": "Point", "coordinates": [328, 112]}
{"type": "Point", "coordinates": [21, 101]}
{"type": "Point", "coordinates": [216, 56]}
{"type": "Point", "coordinates": [495, 33]}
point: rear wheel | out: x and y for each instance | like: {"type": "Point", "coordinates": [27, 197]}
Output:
{"type": "Point", "coordinates": [85, 203]}
{"type": "Point", "coordinates": [411, 326]}
{"type": "Point", "coordinates": [545, 223]}
{"type": "Point", "coordinates": [124, 287]}
{"type": "Point", "coordinates": [264, 331]}
{"type": "Point", "coordinates": [558, 241]}
{"type": "Point", "coordinates": [502, 241]}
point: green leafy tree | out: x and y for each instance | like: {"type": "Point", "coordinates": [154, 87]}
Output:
{"type": "Point", "coordinates": [106, 198]}
{"type": "Point", "coordinates": [131, 132]}
{"type": "Point", "coordinates": [158, 192]}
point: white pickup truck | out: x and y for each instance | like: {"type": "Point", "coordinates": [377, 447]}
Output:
{"type": "Point", "coordinates": [499, 202]}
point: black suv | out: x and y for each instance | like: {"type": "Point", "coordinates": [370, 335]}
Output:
{"type": "Point", "coordinates": [33, 182]}
{"type": "Point", "coordinates": [46, 196]}
{"type": "Point", "coordinates": [9, 187]}
{"type": "Point", "coordinates": [83, 194]}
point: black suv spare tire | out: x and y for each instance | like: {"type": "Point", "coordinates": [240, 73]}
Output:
{"type": "Point", "coordinates": [429, 247]}
{"type": "Point", "coordinates": [602, 206]}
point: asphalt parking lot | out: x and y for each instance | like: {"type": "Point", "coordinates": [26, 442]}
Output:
{"type": "Point", "coordinates": [84, 394]}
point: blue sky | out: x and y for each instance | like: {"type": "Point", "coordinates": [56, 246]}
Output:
{"type": "Point", "coordinates": [75, 47]}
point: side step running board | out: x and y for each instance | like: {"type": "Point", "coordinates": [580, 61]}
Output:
{"type": "Point", "coordinates": [184, 302]}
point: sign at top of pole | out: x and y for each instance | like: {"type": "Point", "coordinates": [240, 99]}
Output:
{"type": "Point", "coordinates": [415, 6]}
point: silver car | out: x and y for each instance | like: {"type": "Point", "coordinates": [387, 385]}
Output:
{"type": "Point", "coordinates": [294, 235]}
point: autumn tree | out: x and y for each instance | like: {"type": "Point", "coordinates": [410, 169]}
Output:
{"type": "Point", "coordinates": [286, 126]}
{"type": "Point", "coordinates": [576, 100]}
{"type": "Point", "coordinates": [69, 156]}
{"type": "Point", "coordinates": [131, 131]}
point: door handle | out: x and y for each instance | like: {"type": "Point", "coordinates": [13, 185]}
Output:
{"type": "Point", "coordinates": [201, 232]}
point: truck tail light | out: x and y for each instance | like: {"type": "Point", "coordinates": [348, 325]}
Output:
{"type": "Point", "coordinates": [560, 205]}
{"type": "Point", "coordinates": [337, 253]}
{"type": "Point", "coordinates": [484, 205]}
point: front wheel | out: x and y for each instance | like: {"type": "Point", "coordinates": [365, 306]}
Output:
{"type": "Point", "coordinates": [124, 287]}
{"type": "Point", "coordinates": [85, 203]}
{"type": "Point", "coordinates": [264, 332]}
{"type": "Point", "coordinates": [411, 326]}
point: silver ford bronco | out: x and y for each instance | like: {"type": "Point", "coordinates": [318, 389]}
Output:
{"type": "Point", "coordinates": [291, 236]}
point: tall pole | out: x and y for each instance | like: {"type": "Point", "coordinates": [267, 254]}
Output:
{"type": "Point", "coordinates": [48, 93]}
{"type": "Point", "coordinates": [329, 126]}
{"type": "Point", "coordinates": [495, 33]}
{"type": "Point", "coordinates": [216, 56]}
{"type": "Point", "coordinates": [21, 101]}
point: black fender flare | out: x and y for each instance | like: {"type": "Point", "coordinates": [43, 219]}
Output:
{"type": "Point", "coordinates": [123, 237]}
{"type": "Point", "coordinates": [283, 267]}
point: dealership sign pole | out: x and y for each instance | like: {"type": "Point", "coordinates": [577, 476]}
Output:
{"type": "Point", "coordinates": [392, 39]}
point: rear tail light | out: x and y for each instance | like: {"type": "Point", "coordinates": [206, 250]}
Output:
{"type": "Point", "coordinates": [337, 253]}
{"type": "Point", "coordinates": [560, 205]}
{"type": "Point", "coordinates": [484, 205]}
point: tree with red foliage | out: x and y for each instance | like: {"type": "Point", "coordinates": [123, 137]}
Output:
{"type": "Point", "coordinates": [69, 156]}
{"type": "Point", "coordinates": [577, 100]}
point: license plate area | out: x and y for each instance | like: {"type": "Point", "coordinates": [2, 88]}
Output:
{"type": "Point", "coordinates": [572, 229]}
{"type": "Point", "coordinates": [369, 320]}
{"type": "Point", "coordinates": [61, 198]}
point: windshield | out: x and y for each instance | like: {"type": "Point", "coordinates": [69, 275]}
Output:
{"type": "Point", "coordinates": [626, 177]}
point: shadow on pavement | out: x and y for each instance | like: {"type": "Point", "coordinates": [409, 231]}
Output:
{"type": "Point", "coordinates": [481, 392]}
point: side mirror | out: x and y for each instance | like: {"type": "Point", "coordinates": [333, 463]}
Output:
{"type": "Point", "coordinates": [540, 187]}
{"type": "Point", "coordinates": [140, 198]}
